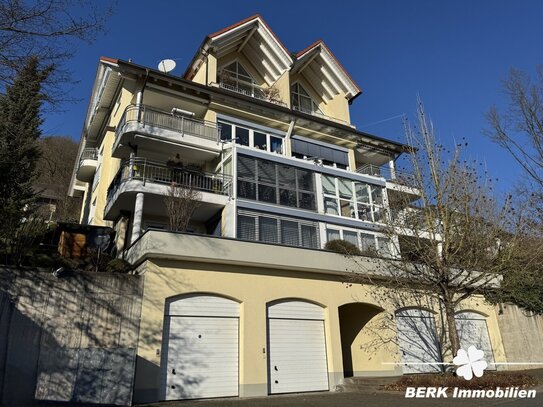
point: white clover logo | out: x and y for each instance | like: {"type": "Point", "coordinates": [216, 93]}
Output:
{"type": "Point", "coordinates": [470, 363]}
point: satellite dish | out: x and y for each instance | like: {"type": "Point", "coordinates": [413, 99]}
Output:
{"type": "Point", "coordinates": [166, 65]}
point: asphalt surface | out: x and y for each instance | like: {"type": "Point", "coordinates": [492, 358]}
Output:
{"type": "Point", "coordinates": [352, 399]}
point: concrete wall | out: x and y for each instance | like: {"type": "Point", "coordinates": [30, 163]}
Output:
{"type": "Point", "coordinates": [70, 338]}
{"type": "Point", "coordinates": [522, 335]}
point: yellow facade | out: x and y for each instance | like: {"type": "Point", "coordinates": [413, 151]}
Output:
{"type": "Point", "coordinates": [374, 350]}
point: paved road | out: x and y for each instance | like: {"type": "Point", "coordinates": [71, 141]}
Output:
{"type": "Point", "coordinates": [354, 399]}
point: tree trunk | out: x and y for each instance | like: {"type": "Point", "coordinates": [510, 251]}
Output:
{"type": "Point", "coordinates": [453, 337]}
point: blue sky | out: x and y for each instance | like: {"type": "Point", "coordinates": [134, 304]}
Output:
{"type": "Point", "coordinates": [453, 54]}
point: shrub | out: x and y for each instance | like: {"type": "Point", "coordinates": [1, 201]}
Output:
{"type": "Point", "coordinates": [118, 266]}
{"type": "Point", "coordinates": [343, 247]}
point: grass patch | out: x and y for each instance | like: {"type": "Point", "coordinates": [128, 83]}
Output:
{"type": "Point", "coordinates": [490, 380]}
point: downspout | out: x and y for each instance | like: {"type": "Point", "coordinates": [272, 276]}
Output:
{"type": "Point", "coordinates": [288, 148]}
{"type": "Point", "coordinates": [139, 95]}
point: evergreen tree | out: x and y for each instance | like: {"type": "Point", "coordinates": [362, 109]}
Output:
{"type": "Point", "coordinates": [19, 151]}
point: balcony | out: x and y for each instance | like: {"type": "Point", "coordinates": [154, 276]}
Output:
{"type": "Point", "coordinates": [154, 179]}
{"type": "Point", "coordinates": [88, 161]}
{"type": "Point", "coordinates": [252, 90]}
{"type": "Point", "coordinates": [396, 177]}
{"type": "Point", "coordinates": [165, 132]}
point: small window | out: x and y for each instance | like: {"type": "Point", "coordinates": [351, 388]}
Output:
{"type": "Point", "coordinates": [330, 206]}
{"type": "Point", "coordinates": [246, 227]}
{"type": "Point", "coordinates": [368, 241]}
{"type": "Point", "coordinates": [329, 184]}
{"type": "Point", "coordinates": [350, 237]}
{"type": "Point", "coordinates": [276, 145]}
{"type": "Point", "coordinates": [289, 233]}
{"type": "Point", "coordinates": [225, 131]}
{"type": "Point", "coordinates": [267, 230]}
{"type": "Point", "coordinates": [309, 236]}
{"type": "Point", "coordinates": [266, 193]}
{"type": "Point", "coordinates": [260, 141]}
{"type": "Point", "coordinates": [242, 136]}
{"type": "Point", "coordinates": [332, 234]}
{"type": "Point", "coordinates": [302, 101]}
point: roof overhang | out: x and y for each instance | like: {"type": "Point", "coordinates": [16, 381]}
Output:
{"type": "Point", "coordinates": [323, 70]}
{"type": "Point", "coordinates": [251, 37]}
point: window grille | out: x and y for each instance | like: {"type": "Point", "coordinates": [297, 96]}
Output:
{"type": "Point", "coordinates": [270, 182]}
{"type": "Point", "coordinates": [274, 229]}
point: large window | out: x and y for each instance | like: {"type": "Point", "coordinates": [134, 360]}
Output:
{"type": "Point", "coordinates": [270, 182]}
{"type": "Point", "coordinates": [302, 101]}
{"type": "Point", "coordinates": [353, 199]}
{"type": "Point", "coordinates": [268, 228]}
{"type": "Point", "coordinates": [236, 77]}
{"type": "Point", "coordinates": [369, 243]}
{"type": "Point", "coordinates": [250, 137]}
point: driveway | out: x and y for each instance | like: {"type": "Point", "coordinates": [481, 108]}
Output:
{"type": "Point", "coordinates": [353, 399]}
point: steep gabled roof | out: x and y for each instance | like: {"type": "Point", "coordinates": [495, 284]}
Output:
{"type": "Point", "coordinates": [252, 37]}
{"type": "Point", "coordinates": [324, 71]}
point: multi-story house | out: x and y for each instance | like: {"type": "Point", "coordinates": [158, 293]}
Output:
{"type": "Point", "coordinates": [247, 303]}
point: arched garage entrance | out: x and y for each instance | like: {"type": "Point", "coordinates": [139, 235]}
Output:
{"type": "Point", "coordinates": [352, 320]}
{"type": "Point", "coordinates": [418, 341]}
{"type": "Point", "coordinates": [296, 347]}
{"type": "Point", "coordinates": [473, 331]}
{"type": "Point", "coordinates": [200, 348]}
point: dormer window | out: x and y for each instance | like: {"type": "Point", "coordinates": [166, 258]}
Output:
{"type": "Point", "coordinates": [235, 77]}
{"type": "Point", "coordinates": [302, 101]}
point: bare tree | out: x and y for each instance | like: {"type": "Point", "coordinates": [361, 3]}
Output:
{"type": "Point", "coordinates": [54, 169]}
{"type": "Point", "coordinates": [519, 129]}
{"type": "Point", "coordinates": [49, 31]}
{"type": "Point", "coordinates": [451, 236]}
{"type": "Point", "coordinates": [181, 203]}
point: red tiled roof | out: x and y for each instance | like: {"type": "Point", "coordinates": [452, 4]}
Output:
{"type": "Point", "coordinates": [107, 59]}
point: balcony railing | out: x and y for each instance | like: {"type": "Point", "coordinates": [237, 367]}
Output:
{"type": "Point", "coordinates": [141, 169]}
{"type": "Point", "coordinates": [148, 116]}
{"type": "Point", "coordinates": [398, 177]}
{"type": "Point", "coordinates": [252, 90]}
{"type": "Point", "coordinates": [88, 154]}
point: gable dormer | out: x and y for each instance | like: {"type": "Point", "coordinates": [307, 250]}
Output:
{"type": "Point", "coordinates": [332, 86]}
{"type": "Point", "coordinates": [264, 61]}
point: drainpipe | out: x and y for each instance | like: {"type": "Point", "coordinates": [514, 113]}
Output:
{"type": "Point", "coordinates": [288, 149]}
{"type": "Point", "coordinates": [139, 95]}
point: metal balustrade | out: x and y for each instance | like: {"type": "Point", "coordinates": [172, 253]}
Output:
{"type": "Point", "coordinates": [399, 177]}
{"type": "Point", "coordinates": [88, 154]}
{"type": "Point", "coordinates": [253, 91]}
{"type": "Point", "coordinates": [148, 116]}
{"type": "Point", "coordinates": [141, 169]}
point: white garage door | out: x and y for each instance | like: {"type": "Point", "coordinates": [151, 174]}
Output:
{"type": "Point", "coordinates": [200, 348]}
{"type": "Point", "coordinates": [473, 331]}
{"type": "Point", "coordinates": [296, 348]}
{"type": "Point", "coordinates": [418, 341]}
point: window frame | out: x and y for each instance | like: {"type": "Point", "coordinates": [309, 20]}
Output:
{"type": "Point", "coordinates": [315, 109]}
{"type": "Point", "coordinates": [280, 222]}
{"type": "Point", "coordinates": [269, 136]}
{"type": "Point", "coordinates": [280, 188]}
{"type": "Point", "coordinates": [355, 204]}
{"type": "Point", "coordinates": [377, 237]}
{"type": "Point", "coordinates": [255, 87]}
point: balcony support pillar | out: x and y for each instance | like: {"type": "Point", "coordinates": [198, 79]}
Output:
{"type": "Point", "coordinates": [138, 215]}
{"type": "Point", "coordinates": [392, 169]}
